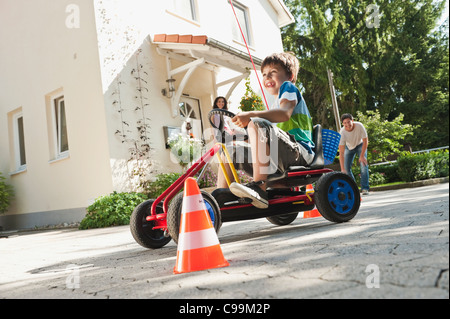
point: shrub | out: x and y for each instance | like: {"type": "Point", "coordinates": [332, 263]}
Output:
{"type": "Point", "coordinates": [414, 167]}
{"type": "Point", "coordinates": [162, 182]}
{"type": "Point", "coordinates": [244, 177]}
{"type": "Point", "coordinates": [375, 178]}
{"type": "Point", "coordinates": [386, 137]}
{"type": "Point", "coordinates": [6, 194]}
{"type": "Point", "coordinates": [209, 178]}
{"type": "Point", "coordinates": [111, 210]}
{"type": "Point", "coordinates": [390, 172]}
{"type": "Point", "coordinates": [440, 163]}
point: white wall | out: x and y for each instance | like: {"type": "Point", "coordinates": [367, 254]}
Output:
{"type": "Point", "coordinates": [120, 36]}
{"type": "Point", "coordinates": [43, 50]}
{"type": "Point", "coordinates": [40, 55]}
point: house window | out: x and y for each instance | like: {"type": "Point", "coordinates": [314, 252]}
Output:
{"type": "Point", "coordinates": [186, 9]}
{"type": "Point", "coordinates": [18, 141]}
{"type": "Point", "coordinates": [244, 21]}
{"type": "Point", "coordinates": [187, 111]}
{"type": "Point", "coordinates": [62, 142]}
{"type": "Point", "coordinates": [58, 139]}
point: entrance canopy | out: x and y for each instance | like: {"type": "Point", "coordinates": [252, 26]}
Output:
{"type": "Point", "coordinates": [204, 52]}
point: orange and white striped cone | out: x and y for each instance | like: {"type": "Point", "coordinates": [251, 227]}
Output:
{"type": "Point", "coordinates": [309, 189]}
{"type": "Point", "coordinates": [198, 244]}
{"type": "Point", "coordinates": [311, 213]}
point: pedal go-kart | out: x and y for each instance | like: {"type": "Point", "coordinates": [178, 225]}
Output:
{"type": "Point", "coordinates": [155, 222]}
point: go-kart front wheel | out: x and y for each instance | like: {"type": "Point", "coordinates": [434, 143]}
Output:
{"type": "Point", "coordinates": [175, 210]}
{"type": "Point", "coordinates": [143, 231]}
{"type": "Point", "coordinates": [336, 196]}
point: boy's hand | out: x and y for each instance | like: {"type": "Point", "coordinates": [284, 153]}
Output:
{"type": "Point", "coordinates": [242, 119]}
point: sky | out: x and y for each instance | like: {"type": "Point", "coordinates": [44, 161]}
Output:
{"type": "Point", "coordinates": [445, 14]}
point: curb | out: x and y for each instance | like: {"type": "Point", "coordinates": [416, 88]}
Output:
{"type": "Point", "coordinates": [425, 182]}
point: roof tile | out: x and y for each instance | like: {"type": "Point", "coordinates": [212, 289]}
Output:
{"type": "Point", "coordinates": [177, 38]}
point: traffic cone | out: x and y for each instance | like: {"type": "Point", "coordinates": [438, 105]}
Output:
{"type": "Point", "coordinates": [198, 244]}
{"type": "Point", "coordinates": [309, 189]}
{"type": "Point", "coordinates": [311, 213]}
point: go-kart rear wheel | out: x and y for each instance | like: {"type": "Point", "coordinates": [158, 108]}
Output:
{"type": "Point", "coordinates": [143, 231]}
{"type": "Point", "coordinates": [336, 196]}
{"type": "Point", "coordinates": [282, 220]}
{"type": "Point", "coordinates": [175, 209]}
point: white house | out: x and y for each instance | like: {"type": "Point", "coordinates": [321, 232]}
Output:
{"type": "Point", "coordinates": [87, 87]}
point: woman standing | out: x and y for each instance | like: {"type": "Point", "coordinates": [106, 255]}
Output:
{"type": "Point", "coordinates": [221, 103]}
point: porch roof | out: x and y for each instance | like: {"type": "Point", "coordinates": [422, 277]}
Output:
{"type": "Point", "coordinates": [205, 52]}
{"type": "Point", "coordinates": [214, 52]}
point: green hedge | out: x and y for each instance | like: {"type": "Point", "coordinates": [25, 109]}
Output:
{"type": "Point", "coordinates": [408, 168]}
{"type": "Point", "coordinates": [375, 177]}
{"type": "Point", "coordinates": [111, 210]}
{"type": "Point", "coordinates": [415, 167]}
{"type": "Point", "coordinates": [390, 172]}
{"type": "Point", "coordinates": [162, 182]}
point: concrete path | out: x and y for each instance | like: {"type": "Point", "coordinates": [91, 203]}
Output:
{"type": "Point", "coordinates": [396, 247]}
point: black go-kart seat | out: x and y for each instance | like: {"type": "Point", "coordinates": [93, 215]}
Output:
{"type": "Point", "coordinates": [317, 163]}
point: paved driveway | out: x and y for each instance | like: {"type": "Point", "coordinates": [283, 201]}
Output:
{"type": "Point", "coordinates": [396, 247]}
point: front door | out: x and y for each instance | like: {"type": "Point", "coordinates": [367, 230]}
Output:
{"type": "Point", "coordinates": [190, 112]}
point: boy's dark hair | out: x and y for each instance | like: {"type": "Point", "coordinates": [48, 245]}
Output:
{"type": "Point", "coordinates": [286, 60]}
{"type": "Point", "coordinates": [346, 116]}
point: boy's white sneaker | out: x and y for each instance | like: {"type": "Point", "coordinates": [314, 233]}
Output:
{"type": "Point", "coordinates": [251, 190]}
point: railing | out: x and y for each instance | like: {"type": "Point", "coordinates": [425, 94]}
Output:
{"type": "Point", "coordinates": [416, 152]}
{"type": "Point", "coordinates": [431, 150]}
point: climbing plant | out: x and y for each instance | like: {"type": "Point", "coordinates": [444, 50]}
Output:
{"type": "Point", "coordinates": [134, 123]}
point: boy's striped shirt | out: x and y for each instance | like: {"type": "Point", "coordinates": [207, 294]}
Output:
{"type": "Point", "coordinates": [300, 124]}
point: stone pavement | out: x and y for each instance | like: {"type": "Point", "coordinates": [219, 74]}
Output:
{"type": "Point", "coordinates": [396, 247]}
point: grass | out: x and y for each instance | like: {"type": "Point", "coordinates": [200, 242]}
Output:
{"type": "Point", "coordinates": [390, 184]}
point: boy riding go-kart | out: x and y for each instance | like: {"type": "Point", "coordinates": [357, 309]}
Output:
{"type": "Point", "coordinates": [281, 159]}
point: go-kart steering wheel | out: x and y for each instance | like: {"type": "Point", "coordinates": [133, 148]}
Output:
{"type": "Point", "coordinates": [221, 134]}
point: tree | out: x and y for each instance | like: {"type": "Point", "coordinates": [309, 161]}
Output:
{"type": "Point", "coordinates": [425, 95]}
{"type": "Point", "coordinates": [387, 57]}
{"type": "Point", "coordinates": [310, 40]}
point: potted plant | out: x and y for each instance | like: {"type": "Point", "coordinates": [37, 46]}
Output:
{"type": "Point", "coordinates": [184, 148]}
{"type": "Point", "coordinates": [251, 101]}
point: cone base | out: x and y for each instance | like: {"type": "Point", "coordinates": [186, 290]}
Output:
{"type": "Point", "coordinates": [200, 259]}
{"type": "Point", "coordinates": [311, 214]}
{"type": "Point", "coordinates": [226, 264]}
